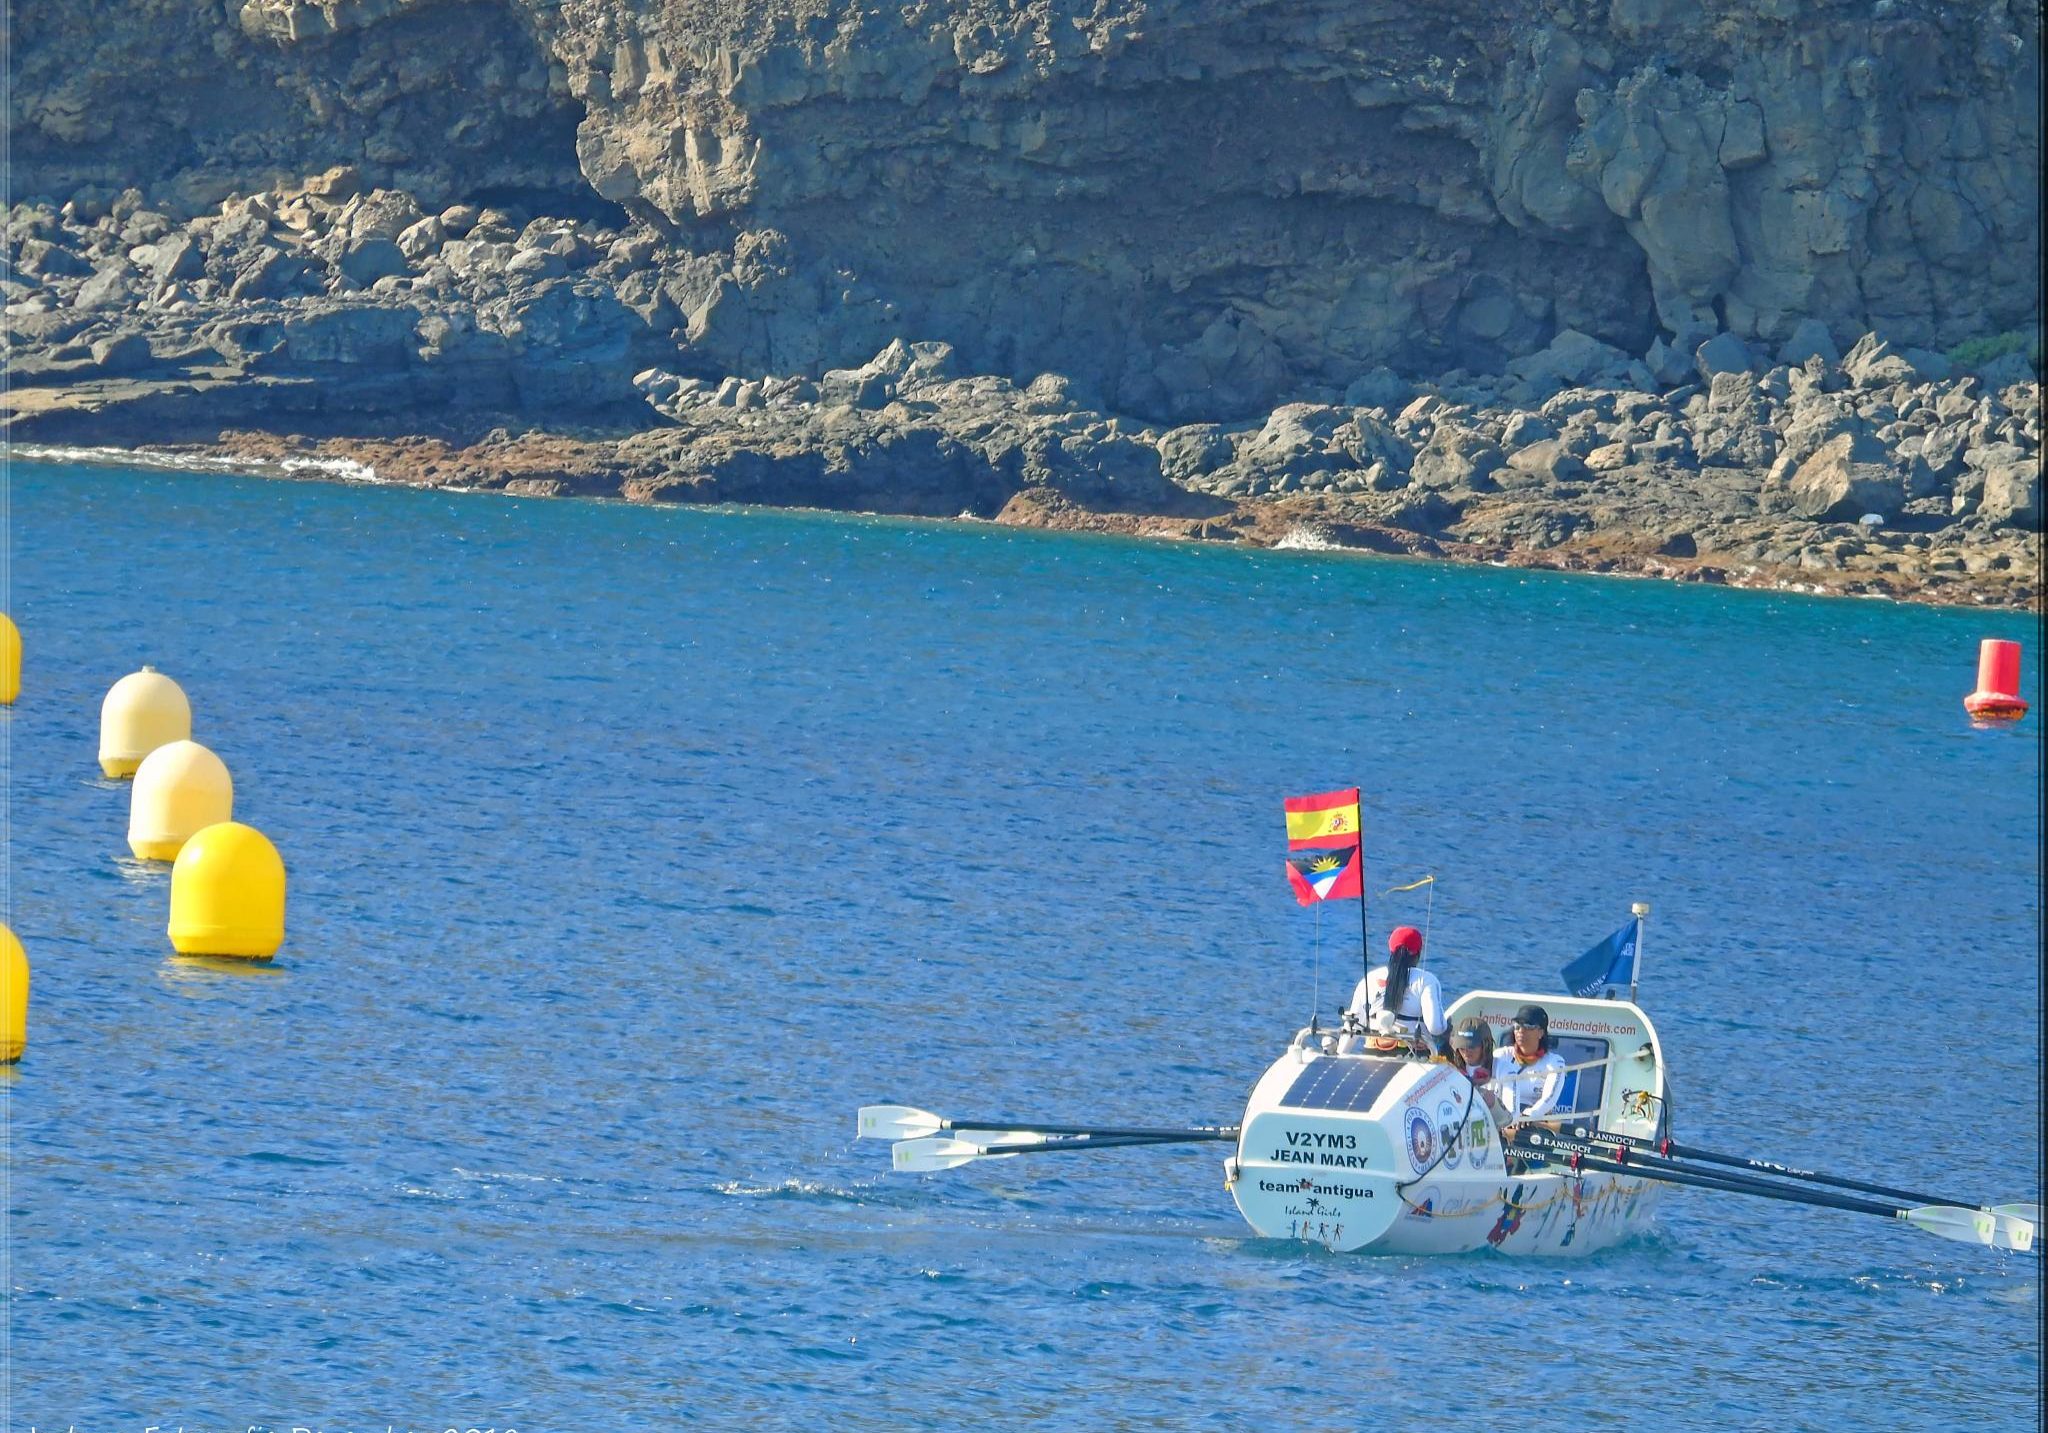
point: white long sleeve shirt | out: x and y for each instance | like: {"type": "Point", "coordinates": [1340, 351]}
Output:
{"type": "Point", "coordinates": [1422, 1004]}
{"type": "Point", "coordinates": [1529, 1092]}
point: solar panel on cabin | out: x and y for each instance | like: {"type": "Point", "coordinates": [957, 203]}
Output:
{"type": "Point", "coordinates": [1334, 1084]}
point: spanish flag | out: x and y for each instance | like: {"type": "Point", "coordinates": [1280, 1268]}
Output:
{"type": "Point", "coordinates": [1327, 875]}
{"type": "Point", "coordinates": [1328, 820]}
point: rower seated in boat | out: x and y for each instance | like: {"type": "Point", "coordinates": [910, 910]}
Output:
{"type": "Point", "coordinates": [1472, 1056]}
{"type": "Point", "coordinates": [1399, 1004]}
{"type": "Point", "coordinates": [1528, 1076]}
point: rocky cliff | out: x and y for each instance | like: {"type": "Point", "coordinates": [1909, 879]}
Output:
{"type": "Point", "coordinates": [357, 215]}
{"type": "Point", "coordinates": [1188, 207]}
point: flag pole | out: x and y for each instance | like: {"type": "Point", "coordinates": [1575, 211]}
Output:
{"type": "Point", "coordinates": [1364, 946]}
{"type": "Point", "coordinates": [1635, 969]}
{"type": "Point", "coordinates": [1315, 1008]}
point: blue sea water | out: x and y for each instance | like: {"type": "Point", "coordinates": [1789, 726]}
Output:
{"type": "Point", "coordinates": [631, 850]}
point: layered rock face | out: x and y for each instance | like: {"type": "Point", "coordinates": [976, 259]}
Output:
{"type": "Point", "coordinates": [1191, 209]}
{"type": "Point", "coordinates": [1663, 284]}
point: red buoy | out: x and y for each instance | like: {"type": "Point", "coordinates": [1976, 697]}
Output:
{"type": "Point", "coordinates": [1997, 697]}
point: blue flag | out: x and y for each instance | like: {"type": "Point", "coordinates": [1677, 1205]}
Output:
{"type": "Point", "coordinates": [1612, 962]}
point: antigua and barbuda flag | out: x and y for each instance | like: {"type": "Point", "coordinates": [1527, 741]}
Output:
{"type": "Point", "coordinates": [1327, 875]}
{"type": "Point", "coordinates": [1330, 819]}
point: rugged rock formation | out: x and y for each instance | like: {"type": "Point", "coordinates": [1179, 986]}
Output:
{"type": "Point", "coordinates": [1190, 208]}
{"type": "Point", "coordinates": [1528, 276]}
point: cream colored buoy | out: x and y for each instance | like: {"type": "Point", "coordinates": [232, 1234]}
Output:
{"type": "Point", "coordinates": [10, 661]}
{"type": "Point", "coordinates": [227, 894]}
{"type": "Point", "coordinates": [13, 998]}
{"type": "Point", "coordinates": [180, 788]}
{"type": "Point", "coordinates": [142, 711]}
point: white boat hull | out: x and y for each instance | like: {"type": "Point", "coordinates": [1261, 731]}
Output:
{"type": "Point", "coordinates": [1394, 1155]}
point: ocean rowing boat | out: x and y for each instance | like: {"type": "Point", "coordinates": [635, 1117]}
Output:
{"type": "Point", "coordinates": [1393, 1153]}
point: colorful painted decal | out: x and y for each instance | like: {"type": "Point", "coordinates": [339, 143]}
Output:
{"type": "Point", "coordinates": [1510, 1220]}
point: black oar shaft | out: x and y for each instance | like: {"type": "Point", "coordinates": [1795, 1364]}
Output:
{"type": "Point", "coordinates": [1197, 1132]}
{"type": "Point", "coordinates": [1765, 1166]}
{"type": "Point", "coordinates": [1654, 1167]}
{"type": "Point", "coordinates": [1672, 1149]}
{"type": "Point", "coordinates": [1090, 1142]}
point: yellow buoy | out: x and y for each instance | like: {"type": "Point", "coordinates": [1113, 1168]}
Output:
{"type": "Point", "coordinates": [10, 660]}
{"type": "Point", "coordinates": [142, 711]}
{"type": "Point", "coordinates": [227, 894]}
{"type": "Point", "coordinates": [13, 998]}
{"type": "Point", "coordinates": [179, 788]}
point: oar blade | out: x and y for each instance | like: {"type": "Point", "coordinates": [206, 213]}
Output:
{"type": "Point", "coordinates": [1973, 1226]}
{"type": "Point", "coordinates": [2012, 1232]}
{"type": "Point", "coordinates": [932, 1153]}
{"type": "Point", "coordinates": [895, 1122]}
{"type": "Point", "coordinates": [2029, 1212]}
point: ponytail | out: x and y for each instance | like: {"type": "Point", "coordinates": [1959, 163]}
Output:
{"type": "Point", "coordinates": [1399, 965]}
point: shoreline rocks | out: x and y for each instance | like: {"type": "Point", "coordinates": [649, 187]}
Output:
{"type": "Point", "coordinates": [350, 317]}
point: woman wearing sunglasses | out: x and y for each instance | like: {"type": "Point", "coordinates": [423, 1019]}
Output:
{"type": "Point", "coordinates": [1528, 1075]}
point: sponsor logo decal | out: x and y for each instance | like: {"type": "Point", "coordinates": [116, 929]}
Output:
{"type": "Point", "coordinates": [1447, 1131]}
{"type": "Point", "coordinates": [1416, 1095]}
{"type": "Point", "coordinates": [1566, 1022]}
{"type": "Point", "coordinates": [1476, 1135]}
{"type": "Point", "coordinates": [1421, 1139]}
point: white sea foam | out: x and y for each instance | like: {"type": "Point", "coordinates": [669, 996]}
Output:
{"type": "Point", "coordinates": [788, 1188]}
{"type": "Point", "coordinates": [504, 1176]}
{"type": "Point", "coordinates": [346, 470]}
{"type": "Point", "coordinates": [49, 453]}
{"type": "Point", "coordinates": [1305, 537]}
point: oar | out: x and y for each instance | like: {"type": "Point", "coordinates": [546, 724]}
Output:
{"type": "Point", "coordinates": [1675, 1150]}
{"type": "Point", "coordinates": [904, 1122]}
{"type": "Point", "coordinates": [931, 1153]}
{"type": "Point", "coordinates": [998, 1141]}
{"type": "Point", "coordinates": [1969, 1226]}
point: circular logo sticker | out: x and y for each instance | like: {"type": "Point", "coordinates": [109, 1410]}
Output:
{"type": "Point", "coordinates": [1476, 1135]}
{"type": "Point", "coordinates": [1447, 1130]}
{"type": "Point", "coordinates": [1421, 1139]}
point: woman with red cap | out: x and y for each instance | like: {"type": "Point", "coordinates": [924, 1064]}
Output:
{"type": "Point", "coordinates": [1398, 999]}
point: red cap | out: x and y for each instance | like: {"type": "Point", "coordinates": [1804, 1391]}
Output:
{"type": "Point", "coordinates": [1404, 937]}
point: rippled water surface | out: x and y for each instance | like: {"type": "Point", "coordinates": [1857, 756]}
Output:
{"type": "Point", "coordinates": [632, 850]}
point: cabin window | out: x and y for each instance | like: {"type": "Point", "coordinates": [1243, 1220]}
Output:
{"type": "Point", "coordinates": [1582, 1088]}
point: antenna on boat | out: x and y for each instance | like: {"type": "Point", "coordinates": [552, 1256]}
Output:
{"type": "Point", "coordinates": [1429, 901]}
{"type": "Point", "coordinates": [1635, 967]}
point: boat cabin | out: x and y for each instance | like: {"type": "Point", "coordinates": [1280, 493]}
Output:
{"type": "Point", "coordinates": [1614, 1078]}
